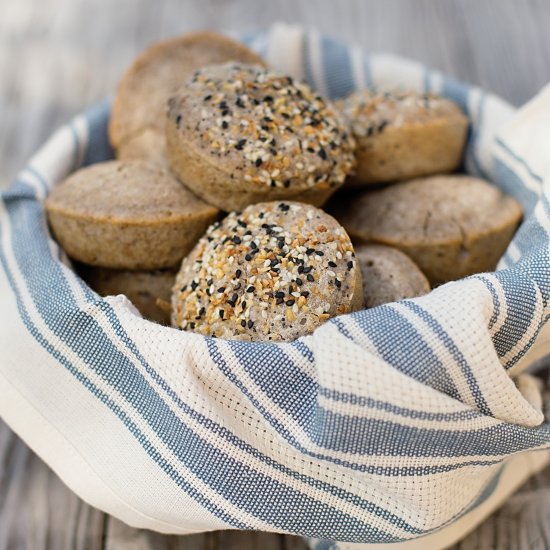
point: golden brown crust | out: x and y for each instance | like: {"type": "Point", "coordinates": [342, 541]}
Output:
{"type": "Point", "coordinates": [451, 226]}
{"type": "Point", "coordinates": [126, 215]}
{"type": "Point", "coordinates": [275, 271]}
{"type": "Point", "coordinates": [238, 134]}
{"type": "Point", "coordinates": [148, 145]}
{"type": "Point", "coordinates": [140, 101]}
{"type": "Point", "coordinates": [403, 135]}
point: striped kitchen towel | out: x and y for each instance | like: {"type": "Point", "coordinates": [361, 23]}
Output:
{"type": "Point", "coordinates": [401, 425]}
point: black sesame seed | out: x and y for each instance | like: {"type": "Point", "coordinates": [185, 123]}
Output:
{"type": "Point", "coordinates": [310, 150]}
{"type": "Point", "coordinates": [284, 207]}
{"type": "Point", "coordinates": [370, 130]}
{"type": "Point", "coordinates": [310, 277]}
{"type": "Point", "coordinates": [248, 257]}
{"type": "Point", "coordinates": [304, 293]}
{"type": "Point", "coordinates": [322, 153]}
{"type": "Point", "coordinates": [250, 289]}
{"type": "Point", "coordinates": [279, 294]}
{"type": "Point", "coordinates": [250, 323]}
{"type": "Point", "coordinates": [178, 120]}
{"type": "Point", "coordinates": [300, 269]}
{"type": "Point", "coordinates": [290, 302]}
{"type": "Point", "coordinates": [240, 103]}
{"type": "Point", "coordinates": [183, 288]}
{"type": "Point", "coordinates": [238, 273]}
{"type": "Point", "coordinates": [242, 224]}
{"type": "Point", "coordinates": [382, 125]}
{"type": "Point", "coordinates": [350, 265]}
{"type": "Point", "coordinates": [225, 125]}
{"type": "Point", "coordinates": [210, 282]}
{"type": "Point", "coordinates": [236, 239]}
{"type": "Point", "coordinates": [310, 251]}
{"type": "Point", "coordinates": [194, 285]}
{"type": "Point", "coordinates": [319, 253]}
{"type": "Point", "coordinates": [243, 323]}
{"type": "Point", "coordinates": [207, 97]}
{"type": "Point", "coordinates": [202, 311]}
{"type": "Point", "coordinates": [222, 105]}
{"type": "Point", "coordinates": [243, 304]}
{"type": "Point", "coordinates": [258, 162]}
{"type": "Point", "coordinates": [337, 283]}
{"type": "Point", "coordinates": [307, 269]}
{"type": "Point", "coordinates": [240, 144]}
{"type": "Point", "coordinates": [268, 99]}
{"type": "Point", "coordinates": [299, 281]}
{"type": "Point", "coordinates": [286, 183]}
{"type": "Point", "coordinates": [253, 245]}
{"type": "Point", "coordinates": [332, 264]}
{"type": "Point", "coordinates": [221, 289]}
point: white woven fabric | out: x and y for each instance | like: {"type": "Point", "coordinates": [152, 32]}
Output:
{"type": "Point", "coordinates": [383, 426]}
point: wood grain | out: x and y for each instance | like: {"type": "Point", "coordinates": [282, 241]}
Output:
{"type": "Point", "coordinates": [58, 56]}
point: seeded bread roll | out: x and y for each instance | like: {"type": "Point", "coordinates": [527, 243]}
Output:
{"type": "Point", "coordinates": [275, 271]}
{"type": "Point", "coordinates": [451, 226]}
{"type": "Point", "coordinates": [389, 275]}
{"type": "Point", "coordinates": [403, 135]}
{"type": "Point", "coordinates": [140, 102]}
{"type": "Point", "coordinates": [142, 288]}
{"type": "Point", "coordinates": [240, 134]}
{"type": "Point", "coordinates": [127, 215]}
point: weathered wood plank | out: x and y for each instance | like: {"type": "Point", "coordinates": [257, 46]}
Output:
{"type": "Point", "coordinates": [36, 509]}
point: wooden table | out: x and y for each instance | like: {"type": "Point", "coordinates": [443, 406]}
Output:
{"type": "Point", "coordinates": [57, 56]}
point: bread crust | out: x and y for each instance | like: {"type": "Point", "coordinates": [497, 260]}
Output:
{"type": "Point", "coordinates": [389, 275]}
{"type": "Point", "coordinates": [126, 215]}
{"type": "Point", "coordinates": [403, 135]}
{"type": "Point", "coordinates": [451, 226]}
{"type": "Point", "coordinates": [274, 271]}
{"type": "Point", "coordinates": [140, 101]}
{"type": "Point", "coordinates": [238, 134]}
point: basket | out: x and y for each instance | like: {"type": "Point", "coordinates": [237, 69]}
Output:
{"type": "Point", "coordinates": [402, 425]}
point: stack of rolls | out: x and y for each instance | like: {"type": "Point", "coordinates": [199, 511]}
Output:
{"type": "Point", "coordinates": [211, 217]}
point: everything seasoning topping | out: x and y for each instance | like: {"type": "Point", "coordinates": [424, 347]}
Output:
{"type": "Point", "coordinates": [370, 112]}
{"type": "Point", "coordinates": [278, 132]}
{"type": "Point", "coordinates": [248, 275]}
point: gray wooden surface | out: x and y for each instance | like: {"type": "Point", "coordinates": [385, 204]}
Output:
{"type": "Point", "coordinates": [57, 56]}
